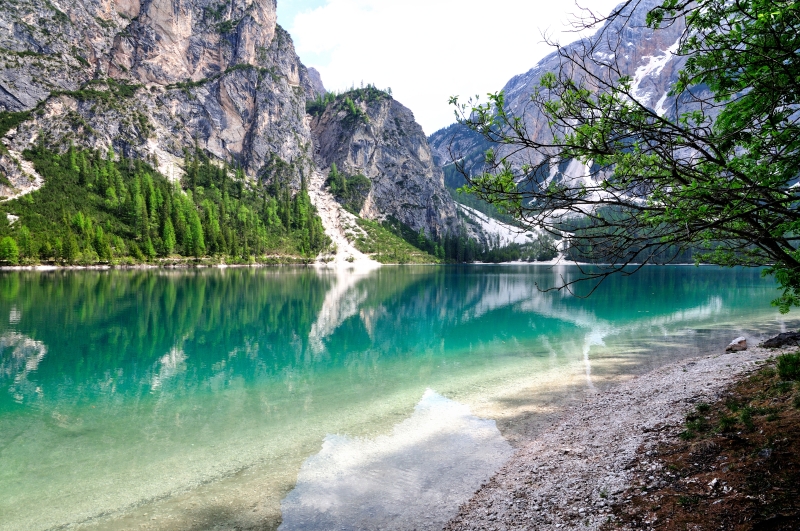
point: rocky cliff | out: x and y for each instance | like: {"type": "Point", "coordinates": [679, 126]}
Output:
{"type": "Point", "coordinates": [368, 132]}
{"type": "Point", "coordinates": [153, 77]}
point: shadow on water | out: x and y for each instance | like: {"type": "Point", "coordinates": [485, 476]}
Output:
{"type": "Point", "coordinates": [208, 390]}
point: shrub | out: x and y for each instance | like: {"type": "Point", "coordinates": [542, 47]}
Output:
{"type": "Point", "coordinates": [726, 423]}
{"type": "Point", "coordinates": [789, 366]}
{"type": "Point", "coordinates": [746, 416]}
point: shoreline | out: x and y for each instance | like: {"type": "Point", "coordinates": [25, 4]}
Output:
{"type": "Point", "coordinates": [571, 474]}
{"type": "Point", "coordinates": [355, 266]}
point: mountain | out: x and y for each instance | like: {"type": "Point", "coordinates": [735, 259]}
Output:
{"type": "Point", "coordinates": [626, 43]}
{"type": "Point", "coordinates": [367, 132]}
{"type": "Point", "coordinates": [154, 77]}
{"type": "Point", "coordinates": [208, 95]}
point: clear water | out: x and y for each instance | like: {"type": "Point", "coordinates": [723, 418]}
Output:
{"type": "Point", "coordinates": [253, 398]}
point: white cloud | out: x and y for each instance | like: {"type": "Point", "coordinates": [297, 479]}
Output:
{"type": "Point", "coordinates": [429, 50]}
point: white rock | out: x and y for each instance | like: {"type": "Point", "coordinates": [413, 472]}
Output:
{"type": "Point", "coordinates": [737, 345]}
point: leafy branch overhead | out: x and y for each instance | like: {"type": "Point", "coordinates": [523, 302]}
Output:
{"type": "Point", "coordinates": [717, 171]}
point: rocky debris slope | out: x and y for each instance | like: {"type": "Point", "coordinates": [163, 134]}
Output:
{"type": "Point", "coordinates": [154, 77]}
{"type": "Point", "coordinates": [337, 221]}
{"type": "Point", "coordinates": [571, 475]}
{"type": "Point", "coordinates": [376, 136]}
{"type": "Point", "coordinates": [496, 233]}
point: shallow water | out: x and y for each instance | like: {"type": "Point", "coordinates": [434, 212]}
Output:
{"type": "Point", "coordinates": [251, 398]}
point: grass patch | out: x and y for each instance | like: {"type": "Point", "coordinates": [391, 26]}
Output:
{"type": "Point", "coordinates": [387, 248]}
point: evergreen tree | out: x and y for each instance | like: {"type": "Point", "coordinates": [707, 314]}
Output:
{"type": "Point", "coordinates": [9, 252]}
{"type": "Point", "coordinates": [25, 242]}
{"type": "Point", "coordinates": [197, 240]}
{"type": "Point", "coordinates": [168, 237]}
{"type": "Point", "coordinates": [70, 249]}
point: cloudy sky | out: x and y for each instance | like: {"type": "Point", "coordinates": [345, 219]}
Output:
{"type": "Point", "coordinates": [427, 50]}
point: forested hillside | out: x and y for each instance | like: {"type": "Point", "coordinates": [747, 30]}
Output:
{"type": "Point", "coordinates": [100, 208]}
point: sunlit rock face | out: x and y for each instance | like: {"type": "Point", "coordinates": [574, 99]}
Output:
{"type": "Point", "coordinates": [174, 40]}
{"type": "Point", "coordinates": [219, 74]}
{"type": "Point", "coordinates": [391, 149]}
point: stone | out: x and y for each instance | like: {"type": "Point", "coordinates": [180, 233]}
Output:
{"type": "Point", "coordinates": [737, 345]}
{"type": "Point", "coordinates": [782, 340]}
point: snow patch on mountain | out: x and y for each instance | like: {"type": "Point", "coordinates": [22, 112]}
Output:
{"type": "Point", "coordinates": [650, 71]}
{"type": "Point", "coordinates": [500, 233]}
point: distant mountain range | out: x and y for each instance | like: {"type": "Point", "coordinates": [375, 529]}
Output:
{"type": "Point", "coordinates": [645, 55]}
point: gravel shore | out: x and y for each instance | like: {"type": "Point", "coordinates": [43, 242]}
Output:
{"type": "Point", "coordinates": [571, 474]}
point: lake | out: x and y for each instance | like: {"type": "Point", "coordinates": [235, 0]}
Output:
{"type": "Point", "coordinates": [314, 399]}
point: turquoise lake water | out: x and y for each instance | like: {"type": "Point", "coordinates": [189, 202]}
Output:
{"type": "Point", "coordinates": [258, 398]}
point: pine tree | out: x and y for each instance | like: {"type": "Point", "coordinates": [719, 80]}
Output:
{"type": "Point", "coordinates": [168, 237]}
{"type": "Point", "coordinates": [198, 245]}
{"type": "Point", "coordinates": [25, 242]}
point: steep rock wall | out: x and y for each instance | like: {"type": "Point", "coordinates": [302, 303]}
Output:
{"type": "Point", "coordinates": [219, 74]}
{"type": "Point", "coordinates": [383, 142]}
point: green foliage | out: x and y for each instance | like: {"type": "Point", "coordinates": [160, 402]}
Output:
{"type": "Point", "coordinates": [348, 101]}
{"type": "Point", "coordinates": [317, 106]}
{"type": "Point", "coordinates": [216, 12]}
{"type": "Point", "coordinates": [350, 190]}
{"type": "Point", "coordinates": [97, 207]}
{"type": "Point", "coordinates": [454, 181]}
{"type": "Point", "coordinates": [746, 418]}
{"type": "Point", "coordinates": [387, 248]}
{"type": "Point", "coordinates": [726, 424]}
{"type": "Point", "coordinates": [789, 366]}
{"type": "Point", "coordinates": [718, 174]}
{"type": "Point", "coordinates": [9, 253]}
{"type": "Point", "coordinates": [459, 247]}
{"type": "Point", "coordinates": [227, 26]}
{"type": "Point", "coordinates": [9, 120]}
{"type": "Point", "coordinates": [117, 90]}
{"type": "Point", "coordinates": [592, 241]}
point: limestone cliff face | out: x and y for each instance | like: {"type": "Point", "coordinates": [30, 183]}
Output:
{"type": "Point", "coordinates": [379, 138]}
{"type": "Point", "coordinates": [152, 77]}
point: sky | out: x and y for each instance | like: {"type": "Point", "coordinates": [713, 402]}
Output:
{"type": "Point", "coordinates": [428, 50]}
